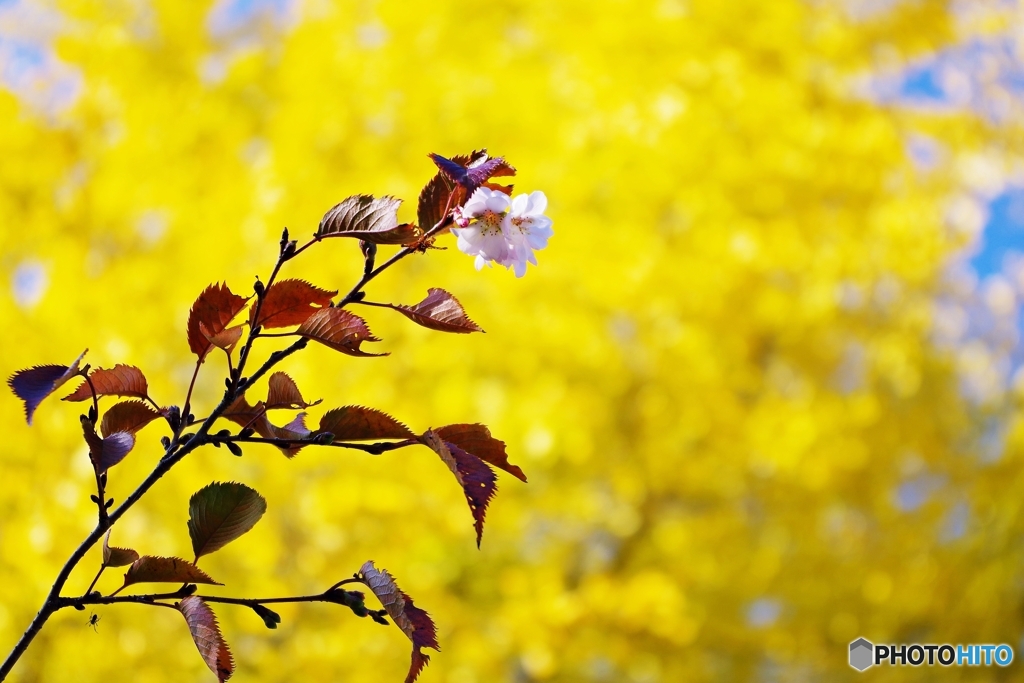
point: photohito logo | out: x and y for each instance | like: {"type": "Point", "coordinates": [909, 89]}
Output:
{"type": "Point", "coordinates": [863, 654]}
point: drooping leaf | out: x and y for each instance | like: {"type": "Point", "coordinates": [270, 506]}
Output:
{"type": "Point", "coordinates": [284, 393]}
{"type": "Point", "coordinates": [214, 308]}
{"type": "Point", "coordinates": [415, 623]}
{"type": "Point", "coordinates": [108, 451]}
{"type": "Point", "coordinates": [245, 415]}
{"type": "Point", "coordinates": [440, 311]}
{"type": "Point", "coordinates": [369, 219]}
{"type": "Point", "coordinates": [127, 416]}
{"type": "Point", "coordinates": [474, 174]}
{"type": "Point", "coordinates": [121, 380]}
{"type": "Point", "coordinates": [117, 557]}
{"type": "Point", "coordinates": [355, 423]}
{"type": "Point", "coordinates": [289, 302]}
{"type": "Point", "coordinates": [477, 479]}
{"type": "Point", "coordinates": [202, 623]}
{"type": "Point", "coordinates": [221, 512]}
{"type": "Point", "coordinates": [476, 439]}
{"type": "Point", "coordinates": [152, 569]}
{"type": "Point", "coordinates": [340, 330]}
{"type": "Point", "coordinates": [225, 339]}
{"type": "Point", "coordinates": [35, 384]}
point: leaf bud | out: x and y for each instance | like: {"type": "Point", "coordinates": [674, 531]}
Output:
{"type": "Point", "coordinates": [378, 616]}
{"type": "Point", "coordinates": [94, 499]}
{"type": "Point", "coordinates": [247, 432]}
{"type": "Point", "coordinates": [191, 419]}
{"type": "Point", "coordinates": [108, 503]}
{"type": "Point", "coordinates": [258, 287]}
{"type": "Point", "coordinates": [324, 439]}
{"type": "Point", "coordinates": [165, 441]}
{"type": "Point", "coordinates": [80, 608]}
{"type": "Point", "coordinates": [92, 414]}
{"type": "Point", "coordinates": [188, 589]}
{"type": "Point", "coordinates": [224, 432]}
{"type": "Point", "coordinates": [173, 416]}
{"type": "Point", "coordinates": [234, 448]}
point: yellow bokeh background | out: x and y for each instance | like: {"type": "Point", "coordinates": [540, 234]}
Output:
{"type": "Point", "coordinates": [721, 379]}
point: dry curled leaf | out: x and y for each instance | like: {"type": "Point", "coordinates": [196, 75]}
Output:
{"type": "Point", "coordinates": [214, 309]}
{"type": "Point", "coordinates": [289, 302]}
{"type": "Point", "coordinates": [477, 479]}
{"type": "Point", "coordinates": [225, 339]}
{"type": "Point", "coordinates": [355, 423]}
{"type": "Point", "coordinates": [126, 381]}
{"type": "Point", "coordinates": [202, 623]}
{"type": "Point", "coordinates": [440, 311]}
{"type": "Point", "coordinates": [152, 569]}
{"type": "Point", "coordinates": [476, 439]}
{"type": "Point", "coordinates": [415, 623]}
{"type": "Point", "coordinates": [284, 393]}
{"type": "Point", "coordinates": [369, 219]}
{"type": "Point", "coordinates": [340, 330]}
{"type": "Point", "coordinates": [127, 416]}
{"type": "Point", "coordinates": [117, 557]}
{"type": "Point", "coordinates": [35, 384]}
{"type": "Point", "coordinates": [221, 512]}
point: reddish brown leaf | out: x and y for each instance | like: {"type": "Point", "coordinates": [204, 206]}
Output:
{"type": "Point", "coordinates": [214, 309]}
{"type": "Point", "coordinates": [415, 623]}
{"type": "Point", "coordinates": [150, 569]}
{"type": "Point", "coordinates": [437, 199]}
{"type": "Point", "coordinates": [289, 302]}
{"type": "Point", "coordinates": [117, 557]}
{"type": "Point", "coordinates": [368, 219]}
{"type": "Point", "coordinates": [293, 431]}
{"type": "Point", "coordinates": [108, 451]}
{"type": "Point", "coordinates": [355, 423]}
{"type": "Point", "coordinates": [477, 479]}
{"type": "Point", "coordinates": [35, 384]}
{"type": "Point", "coordinates": [121, 380]}
{"type": "Point", "coordinates": [127, 416]}
{"type": "Point", "coordinates": [440, 311]}
{"type": "Point", "coordinates": [476, 439]}
{"type": "Point", "coordinates": [225, 339]}
{"type": "Point", "coordinates": [284, 393]}
{"type": "Point", "coordinates": [202, 622]}
{"type": "Point", "coordinates": [340, 330]}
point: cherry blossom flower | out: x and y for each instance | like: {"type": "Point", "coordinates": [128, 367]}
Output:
{"type": "Point", "coordinates": [526, 228]}
{"type": "Point", "coordinates": [484, 235]}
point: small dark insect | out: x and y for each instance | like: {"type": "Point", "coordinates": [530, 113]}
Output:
{"type": "Point", "coordinates": [93, 620]}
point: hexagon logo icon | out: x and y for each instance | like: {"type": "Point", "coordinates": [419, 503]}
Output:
{"type": "Point", "coordinates": [861, 652]}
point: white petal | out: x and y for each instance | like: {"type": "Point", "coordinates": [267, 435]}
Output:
{"type": "Point", "coordinates": [481, 262]}
{"type": "Point", "coordinates": [538, 203]}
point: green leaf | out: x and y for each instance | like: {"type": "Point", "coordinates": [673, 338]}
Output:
{"type": "Point", "coordinates": [220, 513]}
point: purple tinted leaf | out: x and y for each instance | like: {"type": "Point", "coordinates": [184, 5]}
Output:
{"type": "Point", "coordinates": [475, 174]}
{"type": "Point", "coordinates": [115, 447]}
{"type": "Point", "coordinates": [35, 384]}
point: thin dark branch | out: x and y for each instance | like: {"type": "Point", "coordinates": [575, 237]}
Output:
{"type": "Point", "coordinates": [372, 448]}
{"type": "Point", "coordinates": [95, 579]}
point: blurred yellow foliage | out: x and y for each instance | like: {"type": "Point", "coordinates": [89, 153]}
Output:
{"type": "Point", "coordinates": [744, 449]}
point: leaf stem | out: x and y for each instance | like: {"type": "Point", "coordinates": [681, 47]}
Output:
{"type": "Point", "coordinates": [95, 579]}
{"type": "Point", "coordinates": [372, 448]}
